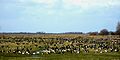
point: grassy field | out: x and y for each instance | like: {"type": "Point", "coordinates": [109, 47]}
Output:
{"type": "Point", "coordinates": [59, 47]}
{"type": "Point", "coordinates": [66, 56]}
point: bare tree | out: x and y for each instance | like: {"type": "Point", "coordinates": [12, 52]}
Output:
{"type": "Point", "coordinates": [118, 29]}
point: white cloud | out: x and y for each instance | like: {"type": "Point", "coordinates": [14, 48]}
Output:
{"type": "Point", "coordinates": [68, 6]}
{"type": "Point", "coordinates": [48, 3]}
{"type": "Point", "coordinates": [86, 4]}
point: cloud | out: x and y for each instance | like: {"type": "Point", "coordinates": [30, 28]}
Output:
{"type": "Point", "coordinates": [89, 4]}
{"type": "Point", "coordinates": [46, 3]}
{"type": "Point", "coordinates": [60, 7]}
{"type": "Point", "coordinates": [85, 4]}
{"type": "Point", "coordinates": [72, 4]}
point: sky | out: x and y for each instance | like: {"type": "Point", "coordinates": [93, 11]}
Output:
{"type": "Point", "coordinates": [55, 16]}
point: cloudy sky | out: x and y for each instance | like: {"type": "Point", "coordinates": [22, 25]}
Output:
{"type": "Point", "coordinates": [58, 15]}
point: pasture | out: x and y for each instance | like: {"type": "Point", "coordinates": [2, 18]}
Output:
{"type": "Point", "coordinates": [59, 47]}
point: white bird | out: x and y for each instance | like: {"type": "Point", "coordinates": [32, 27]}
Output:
{"type": "Point", "coordinates": [19, 51]}
{"type": "Point", "coordinates": [78, 52]}
{"type": "Point", "coordinates": [101, 52]}
{"type": "Point", "coordinates": [115, 50]}
{"type": "Point", "coordinates": [38, 52]}
{"type": "Point", "coordinates": [33, 53]}
{"type": "Point", "coordinates": [23, 53]}
{"type": "Point", "coordinates": [105, 50]}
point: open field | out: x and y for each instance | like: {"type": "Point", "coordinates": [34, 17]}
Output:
{"type": "Point", "coordinates": [59, 46]}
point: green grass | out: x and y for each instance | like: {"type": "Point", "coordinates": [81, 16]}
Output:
{"type": "Point", "coordinates": [67, 56]}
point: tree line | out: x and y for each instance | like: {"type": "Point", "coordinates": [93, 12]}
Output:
{"type": "Point", "coordinates": [102, 32]}
{"type": "Point", "coordinates": [106, 32]}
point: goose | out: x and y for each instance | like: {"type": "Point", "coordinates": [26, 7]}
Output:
{"type": "Point", "coordinates": [23, 53]}
{"type": "Point", "coordinates": [38, 52]}
{"type": "Point", "coordinates": [33, 53]}
{"type": "Point", "coordinates": [105, 50]}
{"type": "Point", "coordinates": [19, 51]}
